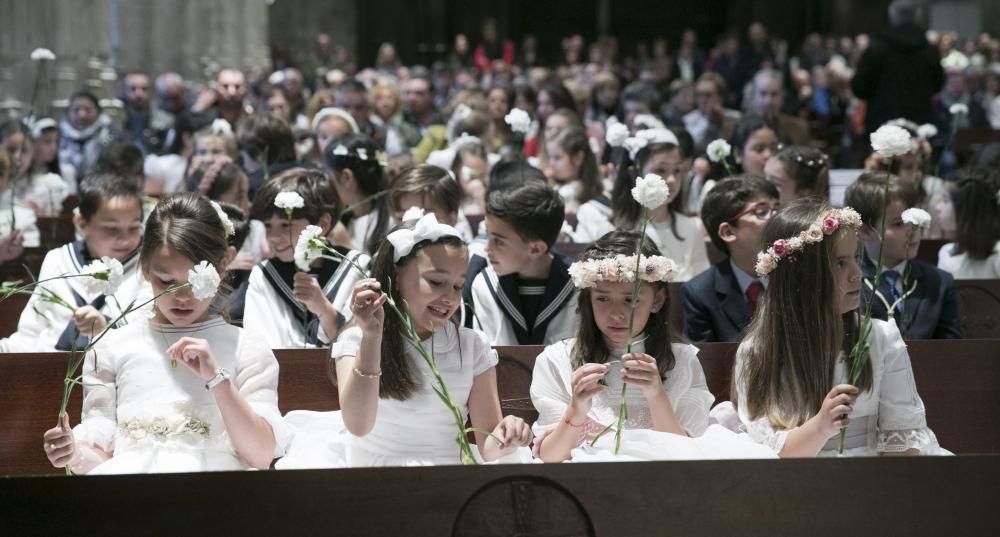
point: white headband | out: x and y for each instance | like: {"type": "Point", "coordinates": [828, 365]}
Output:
{"type": "Point", "coordinates": [645, 137]}
{"type": "Point", "coordinates": [334, 112]}
{"type": "Point", "coordinates": [427, 229]}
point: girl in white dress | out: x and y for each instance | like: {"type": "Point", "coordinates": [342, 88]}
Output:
{"type": "Point", "coordinates": [790, 379]}
{"type": "Point", "coordinates": [576, 383]}
{"type": "Point", "coordinates": [290, 306]}
{"type": "Point", "coordinates": [391, 414]}
{"type": "Point", "coordinates": [572, 168]}
{"type": "Point", "coordinates": [144, 413]}
{"type": "Point", "coordinates": [360, 184]}
{"type": "Point", "coordinates": [975, 254]}
{"type": "Point", "coordinates": [677, 235]}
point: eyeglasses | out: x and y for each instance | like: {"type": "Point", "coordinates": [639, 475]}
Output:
{"type": "Point", "coordinates": [761, 210]}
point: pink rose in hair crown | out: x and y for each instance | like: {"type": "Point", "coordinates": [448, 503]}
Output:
{"type": "Point", "coordinates": [830, 224]}
{"type": "Point", "coordinates": [780, 247]}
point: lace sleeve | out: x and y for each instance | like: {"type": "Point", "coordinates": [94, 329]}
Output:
{"type": "Point", "coordinates": [692, 403]}
{"type": "Point", "coordinates": [902, 424]}
{"type": "Point", "coordinates": [100, 401]}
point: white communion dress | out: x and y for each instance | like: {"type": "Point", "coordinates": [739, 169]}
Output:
{"type": "Point", "coordinates": [156, 418]}
{"type": "Point", "coordinates": [888, 418]}
{"type": "Point", "coordinates": [686, 389]}
{"type": "Point", "coordinates": [419, 431]}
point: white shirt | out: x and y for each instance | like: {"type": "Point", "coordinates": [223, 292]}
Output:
{"type": "Point", "coordinates": [964, 268]}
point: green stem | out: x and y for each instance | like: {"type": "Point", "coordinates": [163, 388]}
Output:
{"type": "Point", "coordinates": [352, 207]}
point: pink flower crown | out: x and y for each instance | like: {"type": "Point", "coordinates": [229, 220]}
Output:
{"type": "Point", "coordinates": [828, 224]}
{"type": "Point", "coordinates": [621, 268]}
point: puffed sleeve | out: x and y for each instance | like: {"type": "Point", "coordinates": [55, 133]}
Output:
{"type": "Point", "coordinates": [550, 387]}
{"type": "Point", "coordinates": [100, 400]}
{"type": "Point", "coordinates": [256, 378]}
{"type": "Point", "coordinates": [347, 343]}
{"type": "Point", "coordinates": [688, 390]}
{"type": "Point", "coordinates": [760, 429]}
{"type": "Point", "coordinates": [485, 357]}
{"type": "Point", "coordinates": [902, 423]}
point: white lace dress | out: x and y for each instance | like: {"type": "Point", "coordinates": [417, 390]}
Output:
{"type": "Point", "coordinates": [888, 418]}
{"type": "Point", "coordinates": [155, 418]}
{"type": "Point", "coordinates": [419, 431]}
{"type": "Point", "coordinates": [689, 396]}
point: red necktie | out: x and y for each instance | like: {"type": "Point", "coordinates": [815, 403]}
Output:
{"type": "Point", "coordinates": [753, 293]}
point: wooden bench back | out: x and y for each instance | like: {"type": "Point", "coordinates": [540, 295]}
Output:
{"type": "Point", "coordinates": [959, 382]}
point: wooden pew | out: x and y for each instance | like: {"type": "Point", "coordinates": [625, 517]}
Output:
{"type": "Point", "coordinates": [10, 313]}
{"type": "Point", "coordinates": [958, 380]}
{"type": "Point", "coordinates": [978, 308]}
{"type": "Point", "coordinates": [873, 496]}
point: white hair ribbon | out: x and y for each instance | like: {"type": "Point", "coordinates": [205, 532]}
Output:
{"type": "Point", "coordinates": [427, 229]}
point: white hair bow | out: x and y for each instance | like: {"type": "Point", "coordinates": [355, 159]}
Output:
{"type": "Point", "coordinates": [427, 229]}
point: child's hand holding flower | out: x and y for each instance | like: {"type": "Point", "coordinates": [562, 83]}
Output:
{"type": "Point", "coordinates": [640, 369]}
{"type": "Point", "coordinates": [197, 355]}
{"type": "Point", "coordinates": [513, 433]}
{"type": "Point", "coordinates": [89, 321]}
{"type": "Point", "coordinates": [59, 444]}
{"type": "Point", "coordinates": [837, 406]}
{"type": "Point", "coordinates": [585, 384]}
{"type": "Point", "coordinates": [367, 299]}
{"type": "Point", "coordinates": [306, 290]}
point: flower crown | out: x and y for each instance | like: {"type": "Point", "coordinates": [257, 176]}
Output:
{"type": "Point", "coordinates": [826, 224]}
{"type": "Point", "coordinates": [621, 268]}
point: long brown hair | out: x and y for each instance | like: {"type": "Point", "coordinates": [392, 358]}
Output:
{"type": "Point", "coordinates": [590, 346]}
{"type": "Point", "coordinates": [977, 210]}
{"type": "Point", "coordinates": [398, 380]}
{"type": "Point", "coordinates": [795, 337]}
{"type": "Point", "coordinates": [626, 213]}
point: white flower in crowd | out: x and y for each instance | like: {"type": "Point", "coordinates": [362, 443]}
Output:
{"type": "Point", "coordinates": [955, 61]}
{"type": "Point", "coordinates": [204, 280]}
{"type": "Point", "coordinates": [221, 127]}
{"type": "Point", "coordinates": [341, 151]}
{"type": "Point", "coordinates": [890, 141]}
{"type": "Point", "coordinates": [413, 213]}
{"type": "Point", "coordinates": [309, 247]}
{"type": "Point", "coordinates": [289, 201]}
{"type": "Point", "coordinates": [650, 191]}
{"type": "Point", "coordinates": [617, 134]}
{"type": "Point", "coordinates": [105, 275]}
{"type": "Point", "coordinates": [718, 150]}
{"type": "Point", "coordinates": [958, 108]}
{"type": "Point", "coordinates": [42, 54]}
{"type": "Point", "coordinates": [633, 144]}
{"type": "Point", "coordinates": [519, 121]}
{"type": "Point", "coordinates": [916, 217]}
{"type": "Point", "coordinates": [647, 121]}
{"type": "Point", "coordinates": [927, 131]}
{"type": "Point", "coordinates": [227, 224]}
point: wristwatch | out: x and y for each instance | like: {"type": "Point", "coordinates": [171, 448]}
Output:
{"type": "Point", "coordinates": [220, 376]}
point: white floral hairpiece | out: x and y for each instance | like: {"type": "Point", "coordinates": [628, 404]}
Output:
{"type": "Point", "coordinates": [826, 224]}
{"type": "Point", "coordinates": [427, 229]}
{"type": "Point", "coordinates": [617, 133]}
{"type": "Point", "coordinates": [465, 139]}
{"type": "Point", "coordinates": [227, 224]}
{"type": "Point", "coordinates": [621, 268]}
{"type": "Point", "coordinates": [342, 151]}
{"type": "Point", "coordinates": [656, 135]}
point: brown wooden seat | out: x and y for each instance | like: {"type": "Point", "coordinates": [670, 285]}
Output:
{"type": "Point", "coordinates": [958, 380]}
{"type": "Point", "coordinates": [978, 308]}
{"type": "Point", "coordinates": [10, 313]}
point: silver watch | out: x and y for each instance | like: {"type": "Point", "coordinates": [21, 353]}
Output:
{"type": "Point", "coordinates": [220, 376]}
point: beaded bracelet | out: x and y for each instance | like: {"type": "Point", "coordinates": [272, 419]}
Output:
{"type": "Point", "coordinates": [362, 374]}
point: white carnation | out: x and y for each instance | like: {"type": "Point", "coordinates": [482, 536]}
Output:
{"type": "Point", "coordinates": [42, 54]}
{"type": "Point", "coordinates": [650, 191]}
{"type": "Point", "coordinates": [718, 150]}
{"type": "Point", "coordinates": [617, 134]}
{"type": "Point", "coordinates": [413, 213]}
{"type": "Point", "coordinates": [104, 276]}
{"type": "Point", "coordinates": [204, 280]}
{"type": "Point", "coordinates": [309, 247]}
{"type": "Point", "coordinates": [227, 224]}
{"type": "Point", "coordinates": [917, 217]}
{"type": "Point", "coordinates": [221, 127]}
{"type": "Point", "coordinates": [890, 141]}
{"type": "Point", "coordinates": [955, 61]}
{"type": "Point", "coordinates": [958, 108]}
{"type": "Point", "coordinates": [633, 145]}
{"type": "Point", "coordinates": [289, 201]}
{"type": "Point", "coordinates": [927, 131]}
{"type": "Point", "coordinates": [519, 121]}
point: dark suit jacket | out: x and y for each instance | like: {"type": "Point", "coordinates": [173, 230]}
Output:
{"type": "Point", "coordinates": [714, 307]}
{"type": "Point", "coordinates": [931, 312]}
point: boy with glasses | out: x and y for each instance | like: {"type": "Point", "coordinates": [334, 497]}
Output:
{"type": "Point", "coordinates": [719, 303]}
